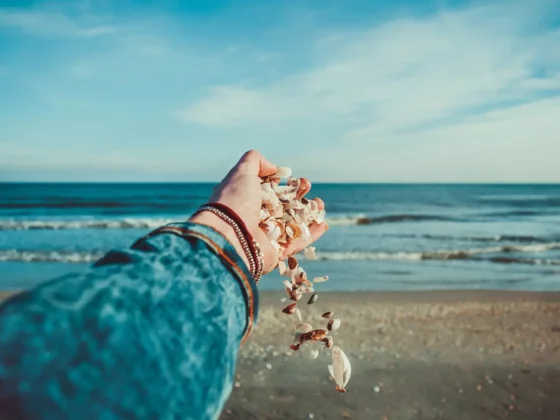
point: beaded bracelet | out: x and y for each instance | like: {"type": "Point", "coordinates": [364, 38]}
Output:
{"type": "Point", "coordinates": [250, 247]}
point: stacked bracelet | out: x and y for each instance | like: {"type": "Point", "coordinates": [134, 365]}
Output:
{"type": "Point", "coordinates": [250, 247]}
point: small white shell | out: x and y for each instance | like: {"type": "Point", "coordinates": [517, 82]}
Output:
{"type": "Point", "coordinates": [288, 284]}
{"type": "Point", "coordinates": [283, 172]}
{"type": "Point", "coordinates": [303, 328]}
{"type": "Point", "coordinates": [282, 268]}
{"type": "Point", "coordinates": [340, 370]}
{"type": "Point", "coordinates": [297, 313]}
{"type": "Point", "coordinates": [334, 324]}
{"type": "Point", "coordinates": [309, 253]}
{"type": "Point", "coordinates": [310, 351]}
{"type": "Point", "coordinates": [320, 279]}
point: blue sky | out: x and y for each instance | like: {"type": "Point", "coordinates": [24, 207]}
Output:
{"type": "Point", "coordinates": [380, 91]}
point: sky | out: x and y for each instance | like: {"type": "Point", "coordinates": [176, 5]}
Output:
{"type": "Point", "coordinates": [339, 90]}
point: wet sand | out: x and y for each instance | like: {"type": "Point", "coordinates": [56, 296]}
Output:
{"type": "Point", "coordinates": [419, 355]}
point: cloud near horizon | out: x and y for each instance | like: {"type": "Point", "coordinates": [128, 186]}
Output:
{"type": "Point", "coordinates": [459, 94]}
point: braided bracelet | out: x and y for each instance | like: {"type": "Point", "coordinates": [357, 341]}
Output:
{"type": "Point", "coordinates": [250, 247]}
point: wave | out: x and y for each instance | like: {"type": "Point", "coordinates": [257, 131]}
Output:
{"type": "Point", "coordinates": [443, 255]}
{"type": "Point", "coordinates": [13, 255]}
{"type": "Point", "coordinates": [132, 223]}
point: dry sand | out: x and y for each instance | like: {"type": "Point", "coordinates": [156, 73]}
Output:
{"type": "Point", "coordinates": [424, 355]}
{"type": "Point", "coordinates": [415, 355]}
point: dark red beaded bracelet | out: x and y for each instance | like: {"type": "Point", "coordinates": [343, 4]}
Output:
{"type": "Point", "coordinates": [248, 244]}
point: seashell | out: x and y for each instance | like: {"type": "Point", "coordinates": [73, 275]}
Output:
{"type": "Point", "coordinates": [293, 230]}
{"type": "Point", "coordinates": [285, 194]}
{"type": "Point", "coordinates": [282, 268]}
{"type": "Point", "coordinates": [266, 188]}
{"type": "Point", "coordinates": [294, 182]}
{"type": "Point", "coordinates": [278, 210]}
{"type": "Point", "coordinates": [333, 325]}
{"type": "Point", "coordinates": [292, 262]}
{"type": "Point", "coordinates": [290, 309]}
{"type": "Point", "coordinates": [317, 335]}
{"type": "Point", "coordinates": [310, 352]}
{"type": "Point", "coordinates": [320, 217]}
{"type": "Point", "coordinates": [313, 205]}
{"type": "Point", "coordinates": [328, 341]}
{"type": "Point", "coordinates": [327, 314]}
{"type": "Point", "coordinates": [309, 253]}
{"type": "Point", "coordinates": [293, 204]}
{"type": "Point", "coordinates": [304, 328]}
{"type": "Point", "coordinates": [312, 299]}
{"type": "Point", "coordinates": [296, 295]}
{"type": "Point", "coordinates": [303, 189]}
{"type": "Point", "coordinates": [305, 233]}
{"type": "Point", "coordinates": [298, 314]}
{"type": "Point", "coordinates": [294, 347]}
{"type": "Point", "coordinates": [307, 289]}
{"type": "Point", "coordinates": [320, 279]}
{"type": "Point", "coordinates": [340, 370]}
{"type": "Point", "coordinates": [272, 230]}
{"type": "Point", "coordinates": [289, 285]}
{"type": "Point", "coordinates": [283, 172]}
{"type": "Point", "coordinates": [298, 275]}
{"type": "Point", "coordinates": [264, 214]}
{"type": "Point", "coordinates": [292, 213]}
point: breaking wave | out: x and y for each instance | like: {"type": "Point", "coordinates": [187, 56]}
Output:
{"type": "Point", "coordinates": [475, 254]}
{"type": "Point", "coordinates": [132, 223]}
{"type": "Point", "coordinates": [152, 223]}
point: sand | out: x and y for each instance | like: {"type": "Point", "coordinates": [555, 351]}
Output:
{"type": "Point", "coordinates": [424, 355]}
{"type": "Point", "coordinates": [415, 355]}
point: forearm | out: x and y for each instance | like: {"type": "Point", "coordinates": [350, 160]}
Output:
{"type": "Point", "coordinates": [150, 332]}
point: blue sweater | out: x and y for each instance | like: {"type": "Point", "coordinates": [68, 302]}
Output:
{"type": "Point", "coordinates": [150, 332]}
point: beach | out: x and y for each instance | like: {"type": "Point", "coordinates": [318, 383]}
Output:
{"type": "Point", "coordinates": [414, 355]}
{"type": "Point", "coordinates": [485, 346]}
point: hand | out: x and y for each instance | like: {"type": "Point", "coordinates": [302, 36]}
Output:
{"type": "Point", "coordinates": [241, 191]}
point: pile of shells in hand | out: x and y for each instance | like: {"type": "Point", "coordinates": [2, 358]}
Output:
{"type": "Point", "coordinates": [286, 216]}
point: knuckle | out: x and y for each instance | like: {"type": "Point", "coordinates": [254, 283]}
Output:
{"type": "Point", "coordinates": [251, 154]}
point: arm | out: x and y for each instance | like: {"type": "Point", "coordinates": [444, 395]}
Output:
{"type": "Point", "coordinates": [149, 332]}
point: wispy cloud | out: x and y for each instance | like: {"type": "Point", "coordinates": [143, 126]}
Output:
{"type": "Point", "coordinates": [468, 93]}
{"type": "Point", "coordinates": [39, 22]}
{"type": "Point", "coordinates": [406, 74]}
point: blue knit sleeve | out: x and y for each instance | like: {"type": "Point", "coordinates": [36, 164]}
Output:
{"type": "Point", "coordinates": [150, 332]}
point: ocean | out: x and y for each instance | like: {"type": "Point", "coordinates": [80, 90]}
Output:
{"type": "Point", "coordinates": [382, 236]}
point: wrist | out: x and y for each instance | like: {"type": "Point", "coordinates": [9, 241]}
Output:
{"type": "Point", "coordinates": [209, 219]}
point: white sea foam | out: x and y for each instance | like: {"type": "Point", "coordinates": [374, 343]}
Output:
{"type": "Point", "coordinates": [500, 254]}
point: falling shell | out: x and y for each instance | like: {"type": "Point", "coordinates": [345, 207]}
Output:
{"type": "Point", "coordinates": [334, 324]}
{"type": "Point", "coordinates": [340, 370]}
{"type": "Point", "coordinates": [286, 215]}
{"type": "Point", "coordinates": [310, 351]}
{"type": "Point", "coordinates": [309, 253]}
{"type": "Point", "coordinates": [290, 309]}
{"type": "Point", "coordinates": [303, 328]}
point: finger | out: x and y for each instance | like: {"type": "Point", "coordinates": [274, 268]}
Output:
{"type": "Point", "coordinates": [254, 163]}
{"type": "Point", "coordinates": [320, 203]}
{"type": "Point", "coordinates": [304, 188]}
{"type": "Point", "coordinates": [316, 230]}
